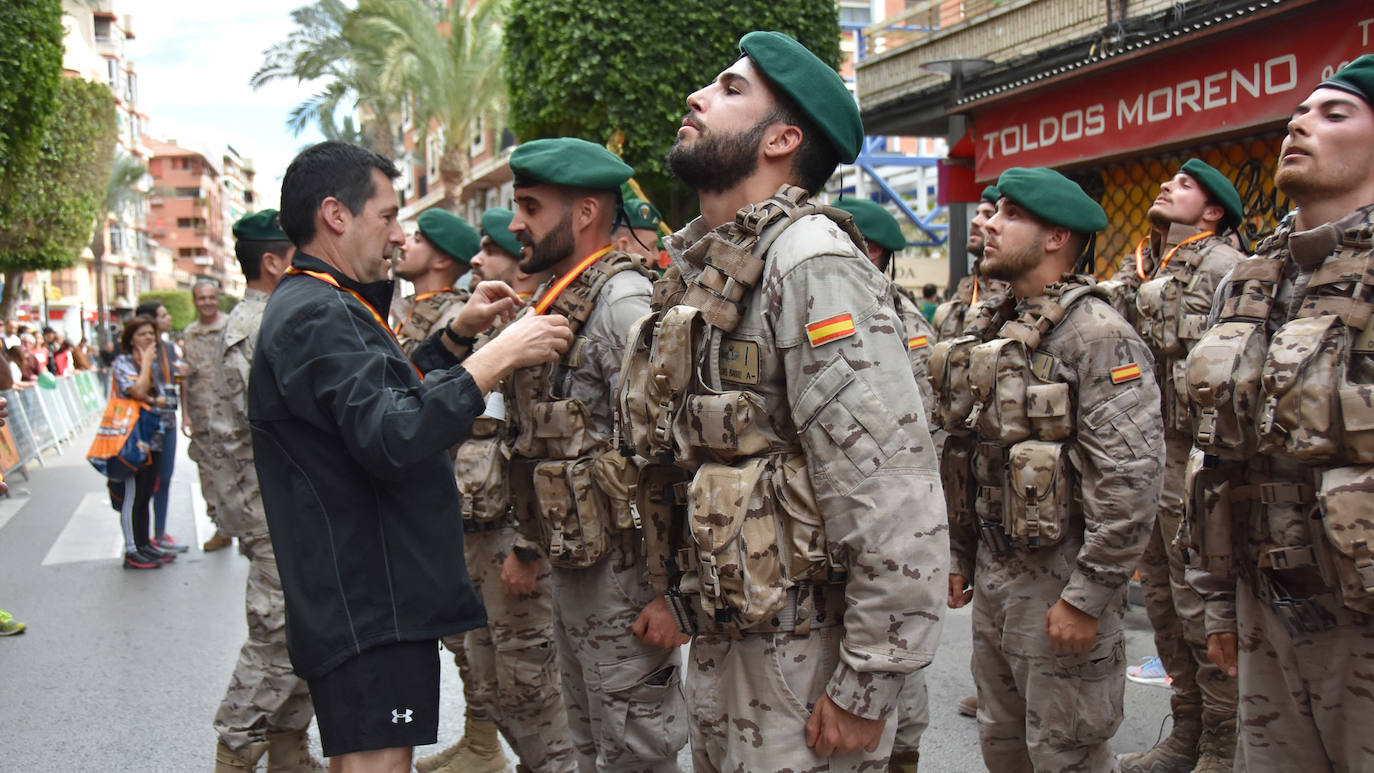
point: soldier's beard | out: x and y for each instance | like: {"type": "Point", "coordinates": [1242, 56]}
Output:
{"type": "Point", "coordinates": [716, 162]}
{"type": "Point", "coordinates": [554, 247]}
{"type": "Point", "coordinates": [1008, 267]}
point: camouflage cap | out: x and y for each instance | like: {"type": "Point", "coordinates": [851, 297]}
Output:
{"type": "Point", "coordinates": [568, 161]}
{"type": "Point", "coordinates": [991, 195]}
{"type": "Point", "coordinates": [815, 86]}
{"type": "Point", "coordinates": [1052, 197]}
{"type": "Point", "coordinates": [642, 214]}
{"type": "Point", "coordinates": [450, 233]}
{"type": "Point", "coordinates": [1355, 78]}
{"type": "Point", "coordinates": [260, 226]}
{"type": "Point", "coordinates": [496, 224]}
{"type": "Point", "coordinates": [875, 223]}
{"type": "Point", "coordinates": [1220, 188]}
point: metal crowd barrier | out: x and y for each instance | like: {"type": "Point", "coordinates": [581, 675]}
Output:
{"type": "Point", "coordinates": [43, 419]}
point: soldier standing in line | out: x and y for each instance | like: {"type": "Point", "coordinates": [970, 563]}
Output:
{"type": "Point", "coordinates": [949, 316]}
{"type": "Point", "coordinates": [510, 669]}
{"type": "Point", "coordinates": [267, 707]}
{"type": "Point", "coordinates": [793, 515]}
{"type": "Point", "coordinates": [882, 238]}
{"type": "Point", "coordinates": [638, 234]}
{"type": "Point", "coordinates": [1180, 262]}
{"type": "Point", "coordinates": [1070, 451]}
{"type": "Point", "coordinates": [432, 260]}
{"type": "Point", "coordinates": [1280, 391]}
{"type": "Point", "coordinates": [198, 350]}
{"type": "Point", "coordinates": [617, 645]}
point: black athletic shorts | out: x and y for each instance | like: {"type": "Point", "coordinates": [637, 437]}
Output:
{"type": "Point", "coordinates": [385, 697]}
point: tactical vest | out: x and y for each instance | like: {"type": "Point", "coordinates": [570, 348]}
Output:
{"type": "Point", "coordinates": [417, 325]}
{"type": "Point", "coordinates": [1295, 411]}
{"type": "Point", "coordinates": [567, 479]}
{"type": "Point", "coordinates": [729, 517]}
{"type": "Point", "coordinates": [481, 469]}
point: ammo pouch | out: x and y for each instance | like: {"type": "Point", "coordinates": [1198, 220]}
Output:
{"type": "Point", "coordinates": [1121, 292]}
{"type": "Point", "coordinates": [1038, 499]}
{"type": "Point", "coordinates": [729, 424]}
{"type": "Point", "coordinates": [1311, 411]}
{"type": "Point", "coordinates": [658, 373]}
{"type": "Point", "coordinates": [956, 471]}
{"type": "Point", "coordinates": [1209, 518]}
{"type": "Point", "coordinates": [1223, 373]}
{"type": "Point", "coordinates": [1161, 318]}
{"type": "Point", "coordinates": [998, 371]}
{"type": "Point", "coordinates": [1344, 497]}
{"type": "Point", "coordinates": [757, 531]}
{"type": "Point", "coordinates": [481, 470]}
{"type": "Point", "coordinates": [948, 318]}
{"type": "Point", "coordinates": [556, 429]}
{"type": "Point", "coordinates": [581, 505]}
{"type": "Point", "coordinates": [949, 379]}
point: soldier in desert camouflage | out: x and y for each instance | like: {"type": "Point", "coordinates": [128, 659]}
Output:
{"type": "Point", "coordinates": [1070, 449]}
{"type": "Point", "coordinates": [948, 319]}
{"type": "Point", "coordinates": [198, 350]}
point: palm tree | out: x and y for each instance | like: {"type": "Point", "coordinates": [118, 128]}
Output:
{"type": "Point", "coordinates": [123, 187]}
{"type": "Point", "coordinates": [450, 71]}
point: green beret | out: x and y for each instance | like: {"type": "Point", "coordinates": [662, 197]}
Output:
{"type": "Point", "coordinates": [642, 214]}
{"type": "Point", "coordinates": [1052, 197]}
{"type": "Point", "coordinates": [260, 226]}
{"type": "Point", "coordinates": [875, 223]}
{"type": "Point", "coordinates": [450, 233]}
{"type": "Point", "coordinates": [816, 88]}
{"type": "Point", "coordinates": [991, 195]}
{"type": "Point", "coordinates": [496, 224]}
{"type": "Point", "coordinates": [568, 161]}
{"type": "Point", "coordinates": [1222, 190]}
{"type": "Point", "coordinates": [1355, 78]}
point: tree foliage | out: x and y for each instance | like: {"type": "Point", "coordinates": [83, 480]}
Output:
{"type": "Point", "coordinates": [178, 303]}
{"type": "Point", "coordinates": [30, 69]}
{"type": "Point", "coordinates": [591, 69]}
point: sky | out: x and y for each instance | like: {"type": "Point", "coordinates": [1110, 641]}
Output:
{"type": "Point", "coordinates": [193, 62]}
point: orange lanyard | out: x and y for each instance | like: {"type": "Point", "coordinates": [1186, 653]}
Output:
{"type": "Point", "coordinates": [419, 297]}
{"type": "Point", "coordinates": [329, 280]}
{"type": "Point", "coordinates": [567, 279]}
{"type": "Point", "coordinates": [975, 292]}
{"type": "Point", "coordinates": [1140, 253]}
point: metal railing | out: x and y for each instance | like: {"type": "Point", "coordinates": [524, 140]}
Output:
{"type": "Point", "coordinates": [920, 20]}
{"type": "Point", "coordinates": [43, 419]}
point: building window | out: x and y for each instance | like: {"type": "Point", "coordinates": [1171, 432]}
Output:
{"type": "Point", "coordinates": [856, 12]}
{"type": "Point", "coordinates": [112, 73]}
{"type": "Point", "coordinates": [116, 239]}
{"type": "Point", "coordinates": [102, 30]}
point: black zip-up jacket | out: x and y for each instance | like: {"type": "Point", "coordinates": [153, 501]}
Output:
{"type": "Point", "coordinates": [351, 449]}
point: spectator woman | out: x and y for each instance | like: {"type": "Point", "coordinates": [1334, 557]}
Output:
{"type": "Point", "coordinates": [166, 374]}
{"type": "Point", "coordinates": [20, 371]}
{"type": "Point", "coordinates": [134, 379]}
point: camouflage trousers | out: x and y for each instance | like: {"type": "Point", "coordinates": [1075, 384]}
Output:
{"type": "Point", "coordinates": [512, 673]}
{"type": "Point", "coordinates": [1175, 609]}
{"type": "Point", "coordinates": [1305, 699]}
{"type": "Point", "coordinates": [913, 713]}
{"type": "Point", "coordinates": [208, 487]}
{"type": "Point", "coordinates": [750, 700]}
{"type": "Point", "coordinates": [624, 698]}
{"type": "Point", "coordinates": [1039, 710]}
{"type": "Point", "coordinates": [265, 695]}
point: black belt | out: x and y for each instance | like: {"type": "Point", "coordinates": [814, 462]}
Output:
{"type": "Point", "coordinates": [472, 525]}
{"type": "Point", "coordinates": [823, 607]}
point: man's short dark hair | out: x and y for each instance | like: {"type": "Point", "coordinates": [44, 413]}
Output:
{"type": "Point", "coordinates": [330, 169]}
{"type": "Point", "coordinates": [816, 159]}
{"type": "Point", "coordinates": [250, 252]}
{"type": "Point", "coordinates": [148, 309]}
{"type": "Point", "coordinates": [929, 290]}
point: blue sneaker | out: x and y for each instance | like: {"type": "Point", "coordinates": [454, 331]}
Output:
{"type": "Point", "coordinates": [1151, 672]}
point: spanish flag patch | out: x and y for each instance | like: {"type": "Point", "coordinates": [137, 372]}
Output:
{"type": "Point", "coordinates": [833, 329]}
{"type": "Point", "coordinates": [919, 342]}
{"type": "Point", "coordinates": [1128, 372]}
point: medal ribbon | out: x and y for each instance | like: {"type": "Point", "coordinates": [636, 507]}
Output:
{"type": "Point", "coordinates": [567, 279]}
{"type": "Point", "coordinates": [1140, 253]}
{"type": "Point", "coordinates": [329, 280]}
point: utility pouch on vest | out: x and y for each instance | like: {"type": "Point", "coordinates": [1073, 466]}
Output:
{"type": "Point", "coordinates": [483, 485]}
{"type": "Point", "coordinates": [657, 375]}
{"type": "Point", "coordinates": [661, 503]}
{"type": "Point", "coordinates": [1310, 410]}
{"type": "Point", "coordinates": [1175, 395]}
{"type": "Point", "coordinates": [1209, 519]}
{"type": "Point", "coordinates": [1039, 493]}
{"type": "Point", "coordinates": [1344, 495]}
{"type": "Point", "coordinates": [1224, 388]}
{"type": "Point", "coordinates": [948, 318]}
{"type": "Point", "coordinates": [576, 512]}
{"type": "Point", "coordinates": [525, 387]}
{"type": "Point", "coordinates": [1159, 306]}
{"type": "Point", "coordinates": [733, 521]}
{"type": "Point", "coordinates": [998, 371]}
{"type": "Point", "coordinates": [729, 423]}
{"type": "Point", "coordinates": [956, 472]}
{"type": "Point", "coordinates": [1121, 292]}
{"type": "Point", "coordinates": [1049, 407]}
{"type": "Point", "coordinates": [729, 273]}
{"type": "Point", "coordinates": [615, 476]}
{"type": "Point", "coordinates": [563, 427]}
{"type": "Point", "coordinates": [949, 378]}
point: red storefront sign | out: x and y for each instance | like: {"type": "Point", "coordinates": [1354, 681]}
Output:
{"type": "Point", "coordinates": [1251, 75]}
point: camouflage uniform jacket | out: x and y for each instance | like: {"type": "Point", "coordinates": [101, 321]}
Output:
{"type": "Point", "coordinates": [1117, 447]}
{"type": "Point", "coordinates": [198, 351]}
{"type": "Point", "coordinates": [848, 400]}
{"type": "Point", "coordinates": [418, 316]}
{"type": "Point", "coordinates": [920, 336]}
{"type": "Point", "coordinates": [1258, 528]}
{"type": "Point", "coordinates": [948, 319]}
{"type": "Point", "coordinates": [241, 513]}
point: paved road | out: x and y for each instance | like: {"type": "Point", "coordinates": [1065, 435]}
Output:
{"type": "Point", "coordinates": [123, 670]}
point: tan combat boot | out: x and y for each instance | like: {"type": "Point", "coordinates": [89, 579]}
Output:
{"type": "Point", "coordinates": [290, 753]}
{"type": "Point", "coordinates": [1217, 749]}
{"type": "Point", "coordinates": [1175, 754]}
{"type": "Point", "coordinates": [217, 542]}
{"type": "Point", "coordinates": [903, 762]}
{"type": "Point", "coordinates": [968, 705]}
{"type": "Point", "coordinates": [435, 761]}
{"type": "Point", "coordinates": [229, 761]}
{"type": "Point", "coordinates": [482, 752]}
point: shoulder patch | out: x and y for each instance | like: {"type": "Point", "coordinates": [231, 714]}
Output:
{"type": "Point", "coordinates": [832, 329]}
{"type": "Point", "coordinates": [1123, 373]}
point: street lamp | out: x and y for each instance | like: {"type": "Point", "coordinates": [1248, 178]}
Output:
{"type": "Point", "coordinates": [958, 70]}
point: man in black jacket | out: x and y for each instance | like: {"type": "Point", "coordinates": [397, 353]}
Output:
{"type": "Point", "coordinates": [350, 442]}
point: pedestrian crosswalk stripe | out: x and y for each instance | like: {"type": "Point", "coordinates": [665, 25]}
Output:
{"type": "Point", "coordinates": [91, 534]}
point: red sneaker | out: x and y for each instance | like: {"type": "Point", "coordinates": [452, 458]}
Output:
{"type": "Point", "coordinates": [168, 544]}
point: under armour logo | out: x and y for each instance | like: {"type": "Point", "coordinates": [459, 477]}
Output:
{"type": "Point", "coordinates": [397, 716]}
